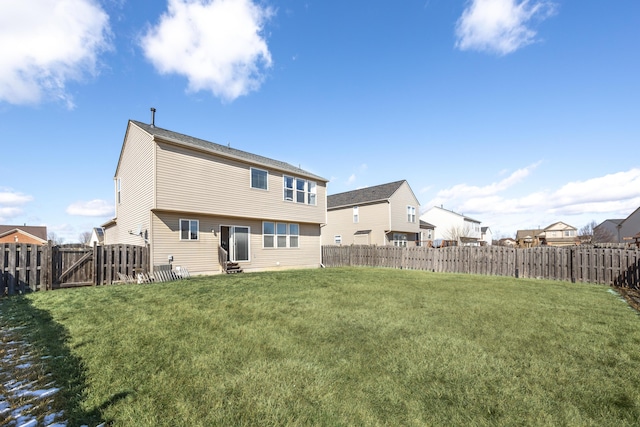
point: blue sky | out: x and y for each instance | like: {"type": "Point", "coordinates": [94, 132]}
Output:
{"type": "Point", "coordinates": [515, 113]}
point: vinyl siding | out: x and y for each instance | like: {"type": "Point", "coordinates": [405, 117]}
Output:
{"type": "Point", "coordinates": [374, 217]}
{"type": "Point", "coordinates": [201, 256]}
{"type": "Point", "coordinates": [135, 171]}
{"type": "Point", "coordinates": [192, 181]}
{"type": "Point", "coordinates": [399, 201]}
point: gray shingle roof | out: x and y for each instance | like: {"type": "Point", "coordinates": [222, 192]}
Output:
{"type": "Point", "coordinates": [224, 150]}
{"type": "Point", "coordinates": [363, 195]}
{"type": "Point", "coordinates": [35, 230]}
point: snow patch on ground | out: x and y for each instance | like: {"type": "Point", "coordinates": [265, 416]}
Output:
{"type": "Point", "coordinates": [22, 398]}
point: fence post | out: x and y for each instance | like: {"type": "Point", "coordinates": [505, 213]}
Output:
{"type": "Point", "coordinates": [95, 263]}
{"type": "Point", "coordinates": [572, 264]}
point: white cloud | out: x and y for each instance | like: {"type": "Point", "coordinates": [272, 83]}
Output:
{"type": "Point", "coordinates": [11, 204]}
{"type": "Point", "coordinates": [500, 26]}
{"type": "Point", "coordinates": [216, 44]}
{"type": "Point", "coordinates": [472, 191]}
{"type": "Point", "coordinates": [614, 196]}
{"type": "Point", "coordinates": [46, 44]}
{"type": "Point", "coordinates": [9, 197]}
{"type": "Point", "coordinates": [91, 208]}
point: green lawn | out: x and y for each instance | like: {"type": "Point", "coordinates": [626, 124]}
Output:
{"type": "Point", "coordinates": [339, 347]}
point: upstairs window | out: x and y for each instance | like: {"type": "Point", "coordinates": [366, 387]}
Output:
{"type": "Point", "coordinates": [118, 188]}
{"type": "Point", "coordinates": [299, 190]}
{"type": "Point", "coordinates": [356, 215]}
{"type": "Point", "coordinates": [189, 229]}
{"type": "Point", "coordinates": [411, 213]}
{"type": "Point", "coordinates": [259, 178]}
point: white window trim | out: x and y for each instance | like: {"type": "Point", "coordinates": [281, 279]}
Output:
{"type": "Point", "coordinates": [337, 239]}
{"type": "Point", "coordinates": [251, 169]}
{"type": "Point", "coordinates": [189, 221]}
{"type": "Point", "coordinates": [356, 214]}
{"type": "Point", "coordinates": [275, 235]}
{"type": "Point", "coordinates": [411, 214]}
{"type": "Point", "coordinates": [310, 188]}
{"type": "Point", "coordinates": [118, 190]}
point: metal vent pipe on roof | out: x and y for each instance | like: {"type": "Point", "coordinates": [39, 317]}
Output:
{"type": "Point", "coordinates": [153, 117]}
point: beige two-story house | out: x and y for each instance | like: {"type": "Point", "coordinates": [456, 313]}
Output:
{"type": "Point", "coordinates": [192, 200]}
{"type": "Point", "coordinates": [384, 214]}
{"type": "Point", "coordinates": [556, 234]}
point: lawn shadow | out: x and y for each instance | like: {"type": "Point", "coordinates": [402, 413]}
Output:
{"type": "Point", "coordinates": [50, 340]}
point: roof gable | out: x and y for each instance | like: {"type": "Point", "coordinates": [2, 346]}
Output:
{"type": "Point", "coordinates": [377, 193]}
{"type": "Point", "coordinates": [559, 226]}
{"type": "Point", "coordinates": [38, 232]}
{"type": "Point", "coordinates": [220, 150]}
{"type": "Point", "coordinates": [466, 218]}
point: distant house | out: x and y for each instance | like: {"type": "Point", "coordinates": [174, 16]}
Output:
{"type": "Point", "coordinates": [23, 234]}
{"type": "Point", "coordinates": [195, 202]}
{"type": "Point", "coordinates": [618, 230]}
{"type": "Point", "coordinates": [556, 234]}
{"type": "Point", "coordinates": [385, 214]}
{"type": "Point", "coordinates": [528, 238]}
{"type": "Point", "coordinates": [453, 227]}
{"type": "Point", "coordinates": [427, 232]}
{"type": "Point", "coordinates": [97, 236]}
{"type": "Point", "coordinates": [508, 242]}
{"type": "Point", "coordinates": [607, 231]}
{"type": "Point", "coordinates": [486, 236]}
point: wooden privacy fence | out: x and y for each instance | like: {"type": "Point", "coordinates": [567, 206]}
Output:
{"type": "Point", "coordinates": [609, 266]}
{"type": "Point", "coordinates": [28, 268]}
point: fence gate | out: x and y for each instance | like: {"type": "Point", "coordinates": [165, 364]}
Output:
{"type": "Point", "coordinates": [72, 265]}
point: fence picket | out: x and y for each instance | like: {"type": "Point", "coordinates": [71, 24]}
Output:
{"type": "Point", "coordinates": [602, 265]}
{"type": "Point", "coordinates": [29, 268]}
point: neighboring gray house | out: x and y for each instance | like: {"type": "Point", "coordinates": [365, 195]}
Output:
{"type": "Point", "coordinates": [618, 230]}
{"type": "Point", "coordinates": [193, 201]}
{"type": "Point", "coordinates": [607, 231]}
{"type": "Point", "coordinates": [385, 214]}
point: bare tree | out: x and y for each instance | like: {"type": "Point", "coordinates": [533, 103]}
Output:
{"type": "Point", "coordinates": [85, 237]}
{"type": "Point", "coordinates": [596, 234]}
{"type": "Point", "coordinates": [54, 238]}
{"type": "Point", "coordinates": [456, 233]}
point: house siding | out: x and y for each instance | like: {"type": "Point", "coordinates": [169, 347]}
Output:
{"type": "Point", "coordinates": [193, 181]}
{"type": "Point", "coordinates": [399, 201]}
{"type": "Point", "coordinates": [630, 226]}
{"type": "Point", "coordinates": [135, 171]}
{"type": "Point", "coordinates": [201, 256]}
{"type": "Point", "coordinates": [18, 237]}
{"type": "Point", "coordinates": [374, 217]}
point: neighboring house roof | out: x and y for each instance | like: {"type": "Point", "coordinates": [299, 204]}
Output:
{"type": "Point", "coordinates": [39, 232]}
{"type": "Point", "coordinates": [362, 232]}
{"type": "Point", "coordinates": [484, 229]}
{"type": "Point", "coordinates": [377, 193]}
{"type": "Point", "coordinates": [464, 217]}
{"type": "Point", "coordinates": [222, 150]}
{"type": "Point", "coordinates": [528, 234]}
{"type": "Point", "coordinates": [99, 233]}
{"type": "Point", "coordinates": [425, 224]}
{"type": "Point", "coordinates": [615, 221]}
{"type": "Point", "coordinates": [560, 226]}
